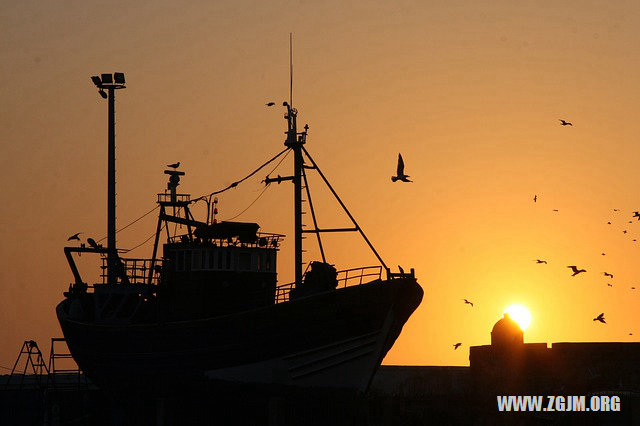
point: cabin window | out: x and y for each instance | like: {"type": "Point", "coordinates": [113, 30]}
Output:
{"type": "Point", "coordinates": [187, 260]}
{"type": "Point", "coordinates": [244, 261]}
{"type": "Point", "coordinates": [197, 260]}
{"type": "Point", "coordinates": [259, 263]}
{"type": "Point", "coordinates": [179, 261]}
{"type": "Point", "coordinates": [211, 258]}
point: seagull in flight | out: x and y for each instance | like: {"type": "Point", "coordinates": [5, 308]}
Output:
{"type": "Point", "coordinates": [174, 165]}
{"type": "Point", "coordinates": [555, 210]}
{"type": "Point", "coordinates": [74, 237]}
{"type": "Point", "coordinates": [270, 104]}
{"type": "Point", "coordinates": [400, 172]}
{"type": "Point", "coordinates": [575, 270]}
{"type": "Point", "coordinates": [616, 210]}
{"type": "Point", "coordinates": [609, 285]}
{"type": "Point", "coordinates": [457, 345]}
{"type": "Point", "coordinates": [600, 318]}
{"type": "Point", "coordinates": [606, 274]}
{"type": "Point", "coordinates": [467, 302]}
{"type": "Point", "coordinates": [564, 123]}
{"type": "Point", "coordinates": [540, 261]}
{"type": "Point", "coordinates": [636, 214]}
{"type": "Point", "coordinates": [535, 198]}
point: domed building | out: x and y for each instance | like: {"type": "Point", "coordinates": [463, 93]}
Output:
{"type": "Point", "coordinates": [506, 333]}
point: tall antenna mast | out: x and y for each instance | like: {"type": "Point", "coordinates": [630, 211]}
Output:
{"type": "Point", "coordinates": [291, 69]}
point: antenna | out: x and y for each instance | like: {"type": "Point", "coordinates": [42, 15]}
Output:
{"type": "Point", "coordinates": [291, 69]}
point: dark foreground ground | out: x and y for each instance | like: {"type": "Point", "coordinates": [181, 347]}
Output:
{"type": "Point", "coordinates": [398, 396]}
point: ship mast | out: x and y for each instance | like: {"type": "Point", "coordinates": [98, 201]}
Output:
{"type": "Point", "coordinates": [295, 141]}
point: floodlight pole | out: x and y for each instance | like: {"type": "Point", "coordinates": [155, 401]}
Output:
{"type": "Point", "coordinates": [111, 190]}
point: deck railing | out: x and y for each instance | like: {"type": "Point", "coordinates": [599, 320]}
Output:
{"type": "Point", "coordinates": [346, 278]}
{"type": "Point", "coordinates": [180, 198]}
{"type": "Point", "coordinates": [263, 240]}
{"type": "Point", "coordinates": [137, 270]}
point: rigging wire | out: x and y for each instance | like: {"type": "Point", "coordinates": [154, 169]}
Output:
{"type": "Point", "coordinates": [252, 203]}
{"type": "Point", "coordinates": [265, 187]}
{"type": "Point", "coordinates": [233, 185]}
{"type": "Point", "coordinates": [145, 241]}
{"type": "Point", "coordinates": [125, 227]}
{"type": "Point", "coordinates": [236, 183]}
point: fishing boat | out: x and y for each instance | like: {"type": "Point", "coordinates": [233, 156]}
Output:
{"type": "Point", "coordinates": [209, 306]}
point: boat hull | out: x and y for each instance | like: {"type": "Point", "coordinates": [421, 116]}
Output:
{"type": "Point", "coordinates": [335, 339]}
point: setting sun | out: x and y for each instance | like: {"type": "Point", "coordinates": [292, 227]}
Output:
{"type": "Point", "coordinates": [519, 314]}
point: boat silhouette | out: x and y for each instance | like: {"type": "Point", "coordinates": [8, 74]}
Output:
{"type": "Point", "coordinates": [209, 307]}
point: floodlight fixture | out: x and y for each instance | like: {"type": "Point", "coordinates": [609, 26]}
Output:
{"type": "Point", "coordinates": [118, 77]}
{"type": "Point", "coordinates": [96, 80]}
{"type": "Point", "coordinates": [102, 93]}
{"type": "Point", "coordinates": [107, 79]}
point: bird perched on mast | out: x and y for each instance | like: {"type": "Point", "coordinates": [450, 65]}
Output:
{"type": "Point", "coordinates": [93, 243]}
{"type": "Point", "coordinates": [400, 171]}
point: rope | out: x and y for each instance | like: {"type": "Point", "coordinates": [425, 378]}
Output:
{"type": "Point", "coordinates": [125, 227]}
{"type": "Point", "coordinates": [252, 203]}
{"type": "Point", "coordinates": [145, 241]}
{"type": "Point", "coordinates": [236, 183]}
{"type": "Point", "coordinates": [265, 188]}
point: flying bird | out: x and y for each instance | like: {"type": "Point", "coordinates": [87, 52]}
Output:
{"type": "Point", "coordinates": [74, 237]}
{"type": "Point", "coordinates": [456, 346]}
{"type": "Point", "coordinates": [535, 198]}
{"type": "Point", "coordinates": [606, 274]}
{"type": "Point", "coordinates": [575, 270]}
{"type": "Point", "coordinates": [467, 302]}
{"type": "Point", "coordinates": [616, 210]}
{"type": "Point", "coordinates": [174, 165]}
{"type": "Point", "coordinates": [600, 318]}
{"type": "Point", "coordinates": [603, 254]}
{"type": "Point", "coordinates": [609, 285]}
{"type": "Point", "coordinates": [92, 243]}
{"type": "Point", "coordinates": [400, 172]}
{"type": "Point", "coordinates": [540, 261]}
{"type": "Point", "coordinates": [636, 214]}
{"type": "Point", "coordinates": [270, 104]}
{"type": "Point", "coordinates": [564, 123]}
{"type": "Point", "coordinates": [624, 232]}
{"type": "Point", "coordinates": [555, 210]}
{"type": "Point", "coordinates": [633, 288]}
{"type": "Point", "coordinates": [608, 223]}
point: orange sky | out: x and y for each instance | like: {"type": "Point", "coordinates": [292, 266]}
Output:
{"type": "Point", "coordinates": [469, 91]}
